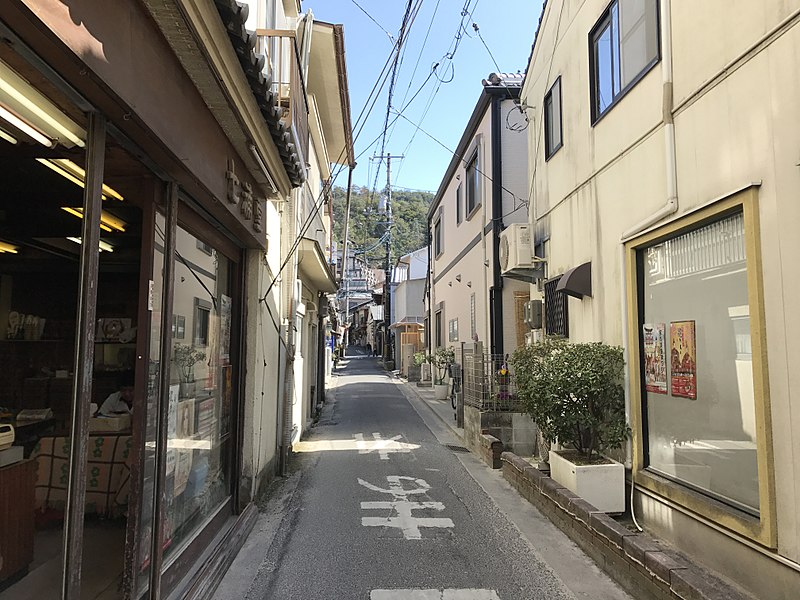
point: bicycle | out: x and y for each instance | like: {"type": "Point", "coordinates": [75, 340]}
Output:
{"type": "Point", "coordinates": [454, 371]}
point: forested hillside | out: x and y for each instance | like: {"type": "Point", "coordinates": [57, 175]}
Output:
{"type": "Point", "coordinates": [409, 212]}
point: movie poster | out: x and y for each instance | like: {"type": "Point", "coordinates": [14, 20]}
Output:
{"type": "Point", "coordinates": [683, 359]}
{"type": "Point", "coordinates": [655, 357]}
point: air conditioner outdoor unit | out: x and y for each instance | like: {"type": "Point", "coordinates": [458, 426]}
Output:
{"type": "Point", "coordinates": [516, 250]}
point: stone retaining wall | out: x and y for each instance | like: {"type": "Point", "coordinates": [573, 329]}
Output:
{"type": "Point", "coordinates": [642, 565]}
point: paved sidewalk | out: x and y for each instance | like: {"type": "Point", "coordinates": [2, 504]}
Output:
{"type": "Point", "coordinates": [441, 408]}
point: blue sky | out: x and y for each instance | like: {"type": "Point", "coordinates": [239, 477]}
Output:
{"type": "Point", "coordinates": [506, 27]}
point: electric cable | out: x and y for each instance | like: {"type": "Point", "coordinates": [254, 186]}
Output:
{"type": "Point", "coordinates": [371, 18]}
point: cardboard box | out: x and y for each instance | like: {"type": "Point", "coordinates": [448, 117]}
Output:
{"type": "Point", "coordinates": [11, 455]}
{"type": "Point", "coordinates": [118, 423]}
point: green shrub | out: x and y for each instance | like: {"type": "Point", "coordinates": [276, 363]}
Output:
{"type": "Point", "coordinates": [574, 393]}
{"type": "Point", "coordinates": [441, 359]}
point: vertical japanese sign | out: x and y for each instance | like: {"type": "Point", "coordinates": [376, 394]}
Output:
{"type": "Point", "coordinates": [683, 358]}
{"type": "Point", "coordinates": [655, 357]}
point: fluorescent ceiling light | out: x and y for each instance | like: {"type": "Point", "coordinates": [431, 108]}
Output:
{"type": "Point", "coordinates": [28, 130]}
{"type": "Point", "coordinates": [102, 245]}
{"type": "Point", "coordinates": [107, 222]}
{"type": "Point", "coordinates": [72, 172]}
{"type": "Point", "coordinates": [37, 110]}
{"type": "Point", "coordinates": [4, 247]}
{"type": "Point", "coordinates": [9, 138]}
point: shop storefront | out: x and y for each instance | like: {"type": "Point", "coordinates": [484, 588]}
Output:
{"type": "Point", "coordinates": [125, 217]}
{"type": "Point", "coordinates": [701, 402]}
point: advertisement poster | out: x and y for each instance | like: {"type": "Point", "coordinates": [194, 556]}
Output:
{"type": "Point", "coordinates": [655, 357]}
{"type": "Point", "coordinates": [224, 329]}
{"type": "Point", "coordinates": [683, 359]}
{"type": "Point", "coordinates": [205, 419]}
{"type": "Point", "coordinates": [172, 424]}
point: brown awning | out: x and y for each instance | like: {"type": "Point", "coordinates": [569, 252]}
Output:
{"type": "Point", "coordinates": [577, 282]}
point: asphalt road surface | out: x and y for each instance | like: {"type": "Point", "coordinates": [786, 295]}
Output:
{"type": "Point", "coordinates": [384, 509]}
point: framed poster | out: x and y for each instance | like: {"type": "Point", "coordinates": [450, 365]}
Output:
{"type": "Point", "coordinates": [185, 428]}
{"type": "Point", "coordinates": [205, 419]}
{"type": "Point", "coordinates": [655, 357]}
{"type": "Point", "coordinates": [183, 466]}
{"type": "Point", "coordinates": [172, 424]}
{"type": "Point", "coordinates": [683, 359]}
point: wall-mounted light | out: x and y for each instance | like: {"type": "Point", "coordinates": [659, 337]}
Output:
{"type": "Point", "coordinates": [101, 244]}
{"type": "Point", "coordinates": [469, 284]}
{"type": "Point", "coordinates": [107, 222]}
{"type": "Point", "coordinates": [72, 172]}
{"type": "Point", "coordinates": [458, 278]}
{"type": "Point", "coordinates": [34, 114]}
{"type": "Point", "coordinates": [5, 247]}
{"type": "Point", "coordinates": [450, 283]}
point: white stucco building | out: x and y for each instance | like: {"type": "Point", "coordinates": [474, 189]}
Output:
{"type": "Point", "coordinates": [664, 180]}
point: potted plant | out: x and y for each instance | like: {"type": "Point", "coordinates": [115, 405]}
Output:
{"type": "Point", "coordinates": [575, 394]}
{"type": "Point", "coordinates": [441, 359]}
{"type": "Point", "coordinates": [186, 357]}
{"type": "Point", "coordinates": [415, 369]}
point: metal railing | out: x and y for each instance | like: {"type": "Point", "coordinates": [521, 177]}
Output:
{"type": "Point", "coordinates": [283, 67]}
{"type": "Point", "coordinates": [488, 383]}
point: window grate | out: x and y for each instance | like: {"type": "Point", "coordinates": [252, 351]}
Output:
{"type": "Point", "coordinates": [556, 317]}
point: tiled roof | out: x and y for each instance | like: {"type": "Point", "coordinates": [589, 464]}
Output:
{"type": "Point", "coordinates": [504, 80]}
{"type": "Point", "coordinates": [234, 15]}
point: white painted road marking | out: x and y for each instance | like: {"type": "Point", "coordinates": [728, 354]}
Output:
{"type": "Point", "coordinates": [384, 447]}
{"type": "Point", "coordinates": [450, 594]}
{"type": "Point", "coordinates": [404, 519]}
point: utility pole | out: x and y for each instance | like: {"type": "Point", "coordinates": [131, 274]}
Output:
{"type": "Point", "coordinates": [387, 349]}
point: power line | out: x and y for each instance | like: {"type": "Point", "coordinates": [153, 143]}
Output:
{"type": "Point", "coordinates": [462, 159]}
{"type": "Point", "coordinates": [371, 18]}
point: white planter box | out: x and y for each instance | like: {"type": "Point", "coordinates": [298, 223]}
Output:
{"type": "Point", "coordinates": [602, 486]}
{"type": "Point", "coordinates": [441, 391]}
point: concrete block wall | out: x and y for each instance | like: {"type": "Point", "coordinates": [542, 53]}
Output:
{"type": "Point", "coordinates": [516, 431]}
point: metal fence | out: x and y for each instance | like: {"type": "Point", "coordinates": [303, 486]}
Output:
{"type": "Point", "coordinates": [488, 383]}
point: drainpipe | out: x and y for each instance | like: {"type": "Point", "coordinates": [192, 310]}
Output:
{"type": "Point", "coordinates": [497, 346]}
{"type": "Point", "coordinates": [670, 208]}
{"type": "Point", "coordinates": [669, 126]}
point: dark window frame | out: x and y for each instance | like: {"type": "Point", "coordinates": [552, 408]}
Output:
{"type": "Point", "coordinates": [474, 164]}
{"type": "Point", "coordinates": [459, 204]}
{"type": "Point", "coordinates": [438, 238]}
{"type": "Point", "coordinates": [439, 327]}
{"type": "Point", "coordinates": [548, 97]}
{"type": "Point", "coordinates": [594, 34]}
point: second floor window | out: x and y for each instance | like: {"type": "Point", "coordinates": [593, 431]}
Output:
{"type": "Point", "coordinates": [473, 185]}
{"type": "Point", "coordinates": [552, 120]}
{"type": "Point", "coordinates": [459, 206]}
{"type": "Point", "coordinates": [438, 238]}
{"type": "Point", "coordinates": [624, 46]}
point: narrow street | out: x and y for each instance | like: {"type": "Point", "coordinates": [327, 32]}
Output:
{"type": "Point", "coordinates": [384, 510]}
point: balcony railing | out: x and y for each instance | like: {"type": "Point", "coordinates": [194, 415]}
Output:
{"type": "Point", "coordinates": [283, 68]}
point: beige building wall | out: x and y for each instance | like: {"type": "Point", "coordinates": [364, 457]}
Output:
{"type": "Point", "coordinates": [736, 107]}
{"type": "Point", "coordinates": [457, 238]}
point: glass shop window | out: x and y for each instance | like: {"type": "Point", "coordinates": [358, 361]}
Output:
{"type": "Point", "coordinates": [698, 394]}
{"type": "Point", "coordinates": [201, 392]}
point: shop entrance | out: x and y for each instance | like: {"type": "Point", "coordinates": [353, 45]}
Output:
{"type": "Point", "coordinates": [41, 218]}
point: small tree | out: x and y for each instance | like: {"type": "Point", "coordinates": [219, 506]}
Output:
{"type": "Point", "coordinates": [574, 393]}
{"type": "Point", "coordinates": [441, 359]}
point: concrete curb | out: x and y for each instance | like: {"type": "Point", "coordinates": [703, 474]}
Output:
{"type": "Point", "coordinates": [636, 561]}
{"type": "Point", "coordinates": [416, 391]}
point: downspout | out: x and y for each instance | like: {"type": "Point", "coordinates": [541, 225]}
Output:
{"type": "Point", "coordinates": [429, 291]}
{"type": "Point", "coordinates": [497, 224]}
{"type": "Point", "coordinates": [669, 127]}
{"type": "Point", "coordinates": [670, 208]}
{"type": "Point", "coordinates": [290, 300]}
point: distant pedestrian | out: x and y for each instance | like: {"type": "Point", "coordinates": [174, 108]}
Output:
{"type": "Point", "coordinates": [369, 349]}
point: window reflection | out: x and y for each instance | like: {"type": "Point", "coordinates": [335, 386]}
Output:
{"type": "Point", "coordinates": [200, 396]}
